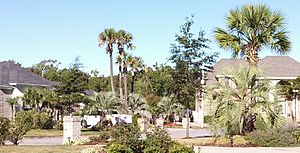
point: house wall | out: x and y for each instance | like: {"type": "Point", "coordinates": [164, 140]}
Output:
{"type": "Point", "coordinates": [5, 108]}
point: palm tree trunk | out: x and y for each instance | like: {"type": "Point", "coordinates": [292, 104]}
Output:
{"type": "Point", "coordinates": [132, 83]}
{"type": "Point", "coordinates": [125, 89]}
{"type": "Point", "coordinates": [120, 82]}
{"type": "Point", "coordinates": [111, 73]}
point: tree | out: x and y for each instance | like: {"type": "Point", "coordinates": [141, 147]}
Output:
{"type": "Point", "coordinates": [109, 37]}
{"type": "Point", "coordinates": [104, 101]}
{"type": "Point", "coordinates": [123, 39]}
{"type": "Point", "coordinates": [33, 98]}
{"type": "Point", "coordinates": [189, 53]}
{"type": "Point", "coordinates": [251, 28]}
{"type": "Point", "coordinates": [135, 103]}
{"type": "Point", "coordinates": [240, 102]}
{"type": "Point", "coordinates": [169, 107]}
{"type": "Point", "coordinates": [13, 101]}
{"type": "Point", "coordinates": [135, 64]}
{"type": "Point", "coordinates": [47, 69]}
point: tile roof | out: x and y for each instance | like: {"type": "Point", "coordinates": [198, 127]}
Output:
{"type": "Point", "coordinates": [273, 66]}
{"type": "Point", "coordinates": [13, 73]}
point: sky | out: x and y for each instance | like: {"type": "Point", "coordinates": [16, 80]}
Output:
{"type": "Point", "coordinates": [35, 30]}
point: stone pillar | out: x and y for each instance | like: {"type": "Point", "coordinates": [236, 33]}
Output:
{"type": "Point", "coordinates": [160, 122]}
{"type": "Point", "coordinates": [184, 122]}
{"type": "Point", "coordinates": [72, 128]}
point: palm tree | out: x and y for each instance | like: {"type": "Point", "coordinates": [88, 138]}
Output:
{"type": "Point", "coordinates": [135, 103]}
{"type": "Point", "coordinates": [123, 39]}
{"type": "Point", "coordinates": [13, 102]}
{"type": "Point", "coordinates": [240, 102]}
{"type": "Point", "coordinates": [251, 28]}
{"type": "Point", "coordinates": [108, 37]}
{"type": "Point", "coordinates": [169, 107]}
{"type": "Point", "coordinates": [104, 101]}
{"type": "Point", "coordinates": [135, 64]}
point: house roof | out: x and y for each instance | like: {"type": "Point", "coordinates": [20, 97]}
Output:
{"type": "Point", "coordinates": [280, 67]}
{"type": "Point", "coordinates": [11, 73]}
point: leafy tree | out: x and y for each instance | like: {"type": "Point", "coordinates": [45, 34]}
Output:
{"type": "Point", "coordinates": [189, 54]}
{"type": "Point", "coordinates": [47, 69]}
{"type": "Point", "coordinates": [33, 98]}
{"type": "Point", "coordinates": [98, 84]}
{"type": "Point", "coordinates": [109, 37]}
{"type": "Point", "coordinates": [73, 80]}
{"type": "Point", "coordinates": [251, 28]}
{"type": "Point", "coordinates": [240, 102]}
{"type": "Point", "coordinates": [161, 80]}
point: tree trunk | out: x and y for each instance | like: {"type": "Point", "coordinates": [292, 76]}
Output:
{"type": "Point", "coordinates": [187, 132]}
{"type": "Point", "coordinates": [111, 73]}
{"type": "Point", "coordinates": [125, 90]}
{"type": "Point", "coordinates": [120, 82]}
{"type": "Point", "coordinates": [132, 83]}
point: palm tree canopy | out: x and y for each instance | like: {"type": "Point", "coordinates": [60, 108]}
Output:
{"type": "Point", "coordinates": [108, 37]}
{"type": "Point", "coordinates": [251, 28]}
{"type": "Point", "coordinates": [124, 38]}
{"type": "Point", "coordinates": [104, 101]}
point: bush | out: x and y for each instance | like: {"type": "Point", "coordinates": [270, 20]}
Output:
{"type": "Point", "coordinates": [41, 120]}
{"type": "Point", "coordinates": [58, 125]}
{"type": "Point", "coordinates": [223, 141]}
{"type": "Point", "coordinates": [126, 134]}
{"type": "Point", "coordinates": [103, 136]}
{"type": "Point", "coordinates": [158, 138]}
{"type": "Point", "coordinates": [135, 118]}
{"type": "Point", "coordinates": [118, 148]}
{"type": "Point", "coordinates": [272, 138]}
{"type": "Point", "coordinates": [239, 141]}
{"type": "Point", "coordinates": [207, 119]}
{"type": "Point", "coordinates": [296, 134]}
{"type": "Point", "coordinates": [4, 129]}
{"type": "Point", "coordinates": [179, 148]}
{"type": "Point", "coordinates": [23, 123]}
{"type": "Point", "coordinates": [154, 149]}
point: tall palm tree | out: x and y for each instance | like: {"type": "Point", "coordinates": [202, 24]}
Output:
{"type": "Point", "coordinates": [240, 102]}
{"type": "Point", "coordinates": [251, 28]}
{"type": "Point", "coordinates": [123, 39]}
{"type": "Point", "coordinates": [108, 37]}
{"type": "Point", "coordinates": [136, 64]}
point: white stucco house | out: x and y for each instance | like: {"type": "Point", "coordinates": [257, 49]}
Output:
{"type": "Point", "coordinates": [13, 80]}
{"type": "Point", "coordinates": [275, 68]}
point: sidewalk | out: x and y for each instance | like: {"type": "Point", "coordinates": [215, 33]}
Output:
{"type": "Point", "coordinates": [250, 150]}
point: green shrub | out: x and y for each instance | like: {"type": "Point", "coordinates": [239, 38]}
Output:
{"type": "Point", "coordinates": [223, 141]}
{"type": "Point", "coordinates": [58, 125]}
{"type": "Point", "coordinates": [118, 148]}
{"type": "Point", "coordinates": [207, 119]}
{"type": "Point", "coordinates": [239, 141]}
{"type": "Point", "coordinates": [41, 120]}
{"type": "Point", "coordinates": [179, 148]}
{"type": "Point", "coordinates": [103, 136]}
{"type": "Point", "coordinates": [296, 134]}
{"type": "Point", "coordinates": [135, 118]}
{"type": "Point", "coordinates": [23, 123]}
{"type": "Point", "coordinates": [271, 138]}
{"type": "Point", "coordinates": [4, 129]}
{"type": "Point", "coordinates": [126, 134]}
{"type": "Point", "coordinates": [158, 137]}
{"type": "Point", "coordinates": [154, 149]}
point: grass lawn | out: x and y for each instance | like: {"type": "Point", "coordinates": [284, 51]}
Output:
{"type": "Point", "coordinates": [55, 133]}
{"type": "Point", "coordinates": [41, 149]}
